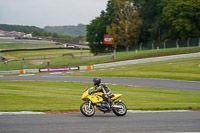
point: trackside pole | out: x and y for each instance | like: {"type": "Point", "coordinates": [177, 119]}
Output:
{"type": "Point", "coordinates": [199, 42]}
{"type": "Point", "coordinates": [114, 53]}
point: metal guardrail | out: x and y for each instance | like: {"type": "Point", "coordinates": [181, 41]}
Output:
{"type": "Point", "coordinates": [190, 42]}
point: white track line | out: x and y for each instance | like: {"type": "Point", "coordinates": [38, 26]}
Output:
{"type": "Point", "coordinates": [164, 111]}
{"type": "Point", "coordinates": [21, 113]}
{"type": "Point", "coordinates": [69, 72]}
{"type": "Point", "coordinates": [27, 75]}
{"type": "Point", "coordinates": [181, 132]}
{"type": "Point", "coordinates": [56, 73]}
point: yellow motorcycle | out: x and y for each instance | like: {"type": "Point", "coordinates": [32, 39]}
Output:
{"type": "Point", "coordinates": [91, 100]}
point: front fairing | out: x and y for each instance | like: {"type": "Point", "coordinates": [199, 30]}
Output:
{"type": "Point", "coordinates": [86, 93]}
{"type": "Point", "coordinates": [96, 97]}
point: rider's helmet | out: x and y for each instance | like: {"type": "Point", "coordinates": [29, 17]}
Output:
{"type": "Point", "coordinates": [97, 81]}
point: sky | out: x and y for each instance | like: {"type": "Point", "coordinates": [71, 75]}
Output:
{"type": "Point", "coordinates": [43, 13]}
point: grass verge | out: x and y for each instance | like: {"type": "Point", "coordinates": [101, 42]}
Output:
{"type": "Point", "coordinates": [88, 60]}
{"type": "Point", "coordinates": [36, 59]}
{"type": "Point", "coordinates": [42, 53]}
{"type": "Point", "coordinates": [64, 96]}
{"type": "Point", "coordinates": [177, 70]}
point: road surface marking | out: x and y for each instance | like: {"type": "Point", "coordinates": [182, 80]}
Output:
{"type": "Point", "coordinates": [26, 75]}
{"type": "Point", "coordinates": [56, 73]}
{"type": "Point", "coordinates": [21, 113]}
{"type": "Point", "coordinates": [69, 72]}
{"type": "Point", "coordinates": [165, 111]}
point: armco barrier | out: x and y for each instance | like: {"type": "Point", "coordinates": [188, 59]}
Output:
{"type": "Point", "coordinates": [89, 67]}
{"type": "Point", "coordinates": [20, 71]}
{"type": "Point", "coordinates": [58, 69]}
{"type": "Point", "coordinates": [31, 70]}
{"type": "Point", "coordinates": [46, 70]}
{"type": "Point", "coordinates": [85, 67]}
{"type": "Point", "coordinates": [10, 72]}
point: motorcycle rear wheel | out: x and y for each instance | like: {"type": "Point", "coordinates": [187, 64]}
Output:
{"type": "Point", "coordinates": [120, 111]}
{"type": "Point", "coordinates": [85, 110]}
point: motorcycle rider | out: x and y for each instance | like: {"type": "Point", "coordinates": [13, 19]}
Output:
{"type": "Point", "coordinates": [101, 87]}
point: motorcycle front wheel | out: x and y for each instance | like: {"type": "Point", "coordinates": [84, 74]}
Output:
{"type": "Point", "coordinates": [86, 110]}
{"type": "Point", "coordinates": [121, 110]}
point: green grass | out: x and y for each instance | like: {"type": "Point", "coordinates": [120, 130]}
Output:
{"type": "Point", "coordinates": [13, 65]}
{"type": "Point", "coordinates": [42, 53]}
{"type": "Point", "coordinates": [155, 53]}
{"type": "Point", "coordinates": [179, 71]}
{"type": "Point", "coordinates": [64, 96]}
{"type": "Point", "coordinates": [157, 62]}
{"type": "Point", "coordinates": [57, 60]}
{"type": "Point", "coordinates": [89, 60]}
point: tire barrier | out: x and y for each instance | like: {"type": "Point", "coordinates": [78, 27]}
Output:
{"type": "Point", "coordinates": [58, 69]}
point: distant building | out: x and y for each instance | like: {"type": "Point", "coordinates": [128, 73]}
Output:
{"type": "Point", "coordinates": [28, 36]}
{"type": "Point", "coordinates": [14, 34]}
{"type": "Point", "coordinates": [2, 33]}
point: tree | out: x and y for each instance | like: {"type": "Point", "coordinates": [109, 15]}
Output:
{"type": "Point", "coordinates": [21, 28]}
{"type": "Point", "coordinates": [81, 39]}
{"type": "Point", "coordinates": [150, 13]}
{"type": "Point", "coordinates": [181, 18]}
{"type": "Point", "coordinates": [125, 27]}
{"type": "Point", "coordinates": [97, 28]}
{"type": "Point", "coordinates": [36, 33]}
{"type": "Point", "coordinates": [95, 33]}
{"type": "Point", "coordinates": [55, 35]}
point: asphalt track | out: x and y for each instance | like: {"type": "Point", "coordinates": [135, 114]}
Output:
{"type": "Point", "coordinates": [163, 122]}
{"type": "Point", "coordinates": [156, 83]}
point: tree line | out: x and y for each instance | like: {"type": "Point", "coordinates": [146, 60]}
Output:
{"type": "Point", "coordinates": [20, 28]}
{"type": "Point", "coordinates": [72, 30]}
{"type": "Point", "coordinates": [131, 22]}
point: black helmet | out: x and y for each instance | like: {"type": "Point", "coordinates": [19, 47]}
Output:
{"type": "Point", "coordinates": [96, 81]}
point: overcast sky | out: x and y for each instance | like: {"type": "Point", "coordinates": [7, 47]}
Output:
{"type": "Point", "coordinates": [50, 12]}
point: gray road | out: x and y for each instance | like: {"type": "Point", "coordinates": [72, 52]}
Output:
{"type": "Point", "coordinates": [102, 123]}
{"type": "Point", "coordinates": [157, 83]}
